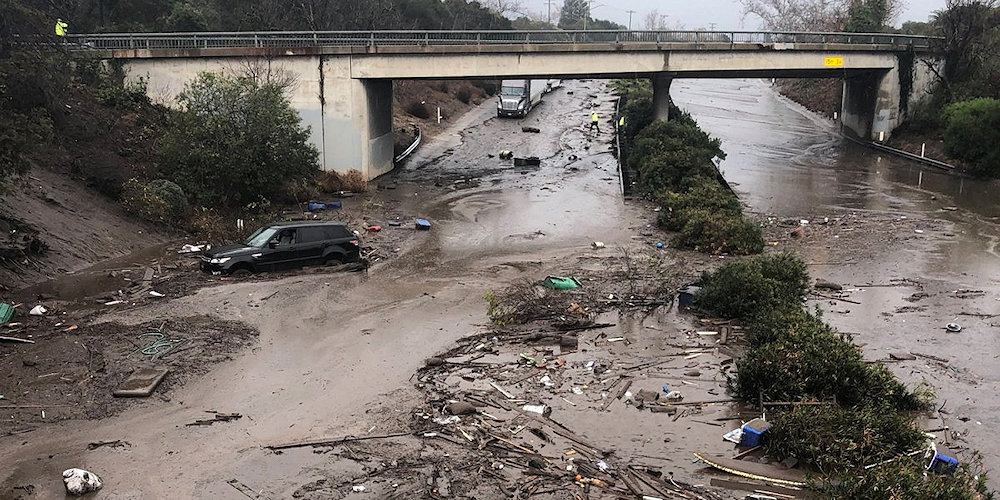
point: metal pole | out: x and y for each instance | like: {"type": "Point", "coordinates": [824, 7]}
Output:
{"type": "Point", "coordinates": [630, 12]}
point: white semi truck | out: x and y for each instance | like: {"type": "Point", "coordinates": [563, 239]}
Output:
{"type": "Point", "coordinates": [517, 97]}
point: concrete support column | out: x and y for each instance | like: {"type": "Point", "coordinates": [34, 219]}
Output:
{"type": "Point", "coordinates": [357, 120]}
{"type": "Point", "coordinates": [871, 105]}
{"type": "Point", "coordinates": [661, 96]}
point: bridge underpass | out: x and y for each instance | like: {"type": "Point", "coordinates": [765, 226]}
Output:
{"type": "Point", "coordinates": [344, 80]}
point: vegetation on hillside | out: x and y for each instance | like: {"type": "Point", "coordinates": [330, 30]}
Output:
{"type": "Point", "coordinates": [673, 162]}
{"type": "Point", "coordinates": [861, 414]}
{"type": "Point", "coordinates": [235, 141]}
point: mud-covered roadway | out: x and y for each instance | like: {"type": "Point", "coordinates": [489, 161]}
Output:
{"type": "Point", "coordinates": [343, 354]}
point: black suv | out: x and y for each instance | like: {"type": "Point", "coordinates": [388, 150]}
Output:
{"type": "Point", "coordinates": [285, 245]}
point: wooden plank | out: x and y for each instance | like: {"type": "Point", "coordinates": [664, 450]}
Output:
{"type": "Point", "coordinates": [15, 339]}
{"type": "Point", "coordinates": [751, 470]}
{"type": "Point", "coordinates": [747, 486]}
{"type": "Point", "coordinates": [141, 383]}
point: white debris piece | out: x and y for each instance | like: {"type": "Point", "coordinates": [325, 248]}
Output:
{"type": "Point", "coordinates": [194, 248]}
{"type": "Point", "coordinates": [38, 310]}
{"type": "Point", "coordinates": [79, 481]}
{"type": "Point", "coordinates": [539, 409]}
{"type": "Point", "coordinates": [358, 488]}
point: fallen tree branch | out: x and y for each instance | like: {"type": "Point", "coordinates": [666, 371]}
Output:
{"type": "Point", "coordinates": [333, 441]}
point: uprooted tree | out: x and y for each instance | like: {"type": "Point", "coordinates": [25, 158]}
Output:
{"type": "Point", "coordinates": [237, 141]}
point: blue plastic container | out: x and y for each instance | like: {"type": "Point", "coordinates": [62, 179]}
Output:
{"type": "Point", "coordinates": [943, 464]}
{"type": "Point", "coordinates": [423, 224]}
{"type": "Point", "coordinates": [753, 432]}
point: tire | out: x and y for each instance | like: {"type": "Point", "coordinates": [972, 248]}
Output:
{"type": "Point", "coordinates": [240, 272]}
{"type": "Point", "coordinates": [333, 260]}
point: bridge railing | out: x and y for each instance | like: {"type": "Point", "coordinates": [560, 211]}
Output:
{"type": "Point", "coordinates": [294, 39]}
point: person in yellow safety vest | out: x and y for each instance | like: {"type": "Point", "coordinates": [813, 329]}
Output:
{"type": "Point", "coordinates": [621, 122]}
{"type": "Point", "coordinates": [61, 27]}
{"type": "Point", "coordinates": [594, 122]}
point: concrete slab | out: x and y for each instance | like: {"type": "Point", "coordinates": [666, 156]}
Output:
{"type": "Point", "coordinates": [141, 383]}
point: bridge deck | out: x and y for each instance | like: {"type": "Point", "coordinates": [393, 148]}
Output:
{"type": "Point", "coordinates": [132, 45]}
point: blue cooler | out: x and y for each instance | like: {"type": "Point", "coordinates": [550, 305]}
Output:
{"type": "Point", "coordinates": [753, 432]}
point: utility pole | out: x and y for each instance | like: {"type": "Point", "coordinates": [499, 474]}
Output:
{"type": "Point", "coordinates": [586, 16]}
{"type": "Point", "coordinates": [711, 26]}
{"type": "Point", "coordinates": [550, 12]}
{"type": "Point", "coordinates": [630, 12]}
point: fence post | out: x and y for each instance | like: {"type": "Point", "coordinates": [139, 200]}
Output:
{"type": "Point", "coordinates": [371, 42]}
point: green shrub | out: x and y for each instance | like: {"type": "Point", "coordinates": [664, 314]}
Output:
{"type": "Point", "coordinates": [972, 134]}
{"type": "Point", "coordinates": [717, 232]}
{"type": "Point", "coordinates": [667, 152]}
{"type": "Point", "coordinates": [464, 96]}
{"type": "Point", "coordinates": [140, 198]}
{"type": "Point", "coordinates": [746, 288]}
{"type": "Point", "coordinates": [814, 364]}
{"type": "Point", "coordinates": [236, 142]}
{"type": "Point", "coordinates": [174, 199]}
{"type": "Point", "coordinates": [123, 95]}
{"type": "Point", "coordinates": [838, 440]}
{"type": "Point", "coordinates": [704, 193]}
{"type": "Point", "coordinates": [907, 477]}
{"type": "Point", "coordinates": [781, 324]}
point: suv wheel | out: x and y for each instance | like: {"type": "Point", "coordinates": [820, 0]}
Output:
{"type": "Point", "coordinates": [240, 273]}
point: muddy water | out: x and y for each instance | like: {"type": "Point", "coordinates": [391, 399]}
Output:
{"type": "Point", "coordinates": [336, 351]}
{"type": "Point", "coordinates": [791, 164]}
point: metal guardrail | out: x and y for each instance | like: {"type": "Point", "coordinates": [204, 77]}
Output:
{"type": "Point", "coordinates": [293, 39]}
{"type": "Point", "coordinates": [413, 147]}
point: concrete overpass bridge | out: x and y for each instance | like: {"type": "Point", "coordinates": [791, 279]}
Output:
{"type": "Point", "coordinates": [344, 80]}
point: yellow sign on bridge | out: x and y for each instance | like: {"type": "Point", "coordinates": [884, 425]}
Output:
{"type": "Point", "coordinates": [833, 62]}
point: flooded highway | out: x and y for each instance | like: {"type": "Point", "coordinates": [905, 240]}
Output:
{"type": "Point", "coordinates": [928, 254]}
{"type": "Point", "coordinates": [338, 353]}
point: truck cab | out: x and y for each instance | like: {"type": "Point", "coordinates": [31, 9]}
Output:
{"type": "Point", "coordinates": [514, 98]}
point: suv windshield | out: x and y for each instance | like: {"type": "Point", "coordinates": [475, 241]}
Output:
{"type": "Point", "coordinates": [260, 237]}
{"type": "Point", "coordinates": [512, 91]}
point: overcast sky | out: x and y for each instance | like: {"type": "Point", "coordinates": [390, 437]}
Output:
{"type": "Point", "coordinates": [694, 14]}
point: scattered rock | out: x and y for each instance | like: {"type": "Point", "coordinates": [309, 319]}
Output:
{"type": "Point", "coordinates": [433, 362]}
{"type": "Point", "coordinates": [692, 373]}
{"type": "Point", "coordinates": [798, 232]}
{"type": "Point", "coordinates": [461, 408]}
{"type": "Point", "coordinates": [902, 356]}
{"type": "Point", "coordinates": [828, 285]}
{"type": "Point", "coordinates": [530, 130]}
{"type": "Point", "coordinates": [647, 395]}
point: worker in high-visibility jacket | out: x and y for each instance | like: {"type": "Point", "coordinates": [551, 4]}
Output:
{"type": "Point", "coordinates": [621, 122]}
{"type": "Point", "coordinates": [61, 27]}
{"type": "Point", "coordinates": [594, 122]}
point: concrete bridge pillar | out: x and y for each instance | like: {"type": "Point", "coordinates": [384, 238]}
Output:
{"type": "Point", "coordinates": [357, 120]}
{"type": "Point", "coordinates": [871, 105]}
{"type": "Point", "coordinates": [661, 96]}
